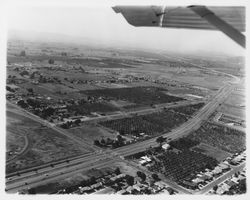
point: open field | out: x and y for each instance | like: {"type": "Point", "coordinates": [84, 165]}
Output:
{"type": "Point", "coordinates": [210, 151]}
{"type": "Point", "coordinates": [235, 104]}
{"type": "Point", "coordinates": [43, 144]}
{"type": "Point", "coordinates": [90, 133]}
{"type": "Point", "coordinates": [87, 108]}
{"type": "Point", "coordinates": [238, 112]}
{"type": "Point", "coordinates": [191, 75]}
{"type": "Point", "coordinates": [105, 62]}
{"type": "Point", "coordinates": [227, 64]}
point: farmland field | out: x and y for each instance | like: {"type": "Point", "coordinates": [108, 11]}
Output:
{"type": "Point", "coordinates": [221, 137]}
{"type": "Point", "coordinates": [154, 123]}
{"type": "Point", "coordinates": [181, 166]}
{"type": "Point", "coordinates": [133, 126]}
{"type": "Point", "coordinates": [166, 119]}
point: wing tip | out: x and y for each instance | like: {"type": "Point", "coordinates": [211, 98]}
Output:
{"type": "Point", "coordinates": [116, 9]}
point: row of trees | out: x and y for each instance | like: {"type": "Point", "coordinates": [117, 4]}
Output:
{"type": "Point", "coordinates": [114, 143]}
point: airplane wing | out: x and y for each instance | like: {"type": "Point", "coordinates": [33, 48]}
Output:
{"type": "Point", "coordinates": [229, 20]}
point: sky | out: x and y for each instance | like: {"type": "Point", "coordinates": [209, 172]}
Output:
{"type": "Point", "coordinates": [102, 24]}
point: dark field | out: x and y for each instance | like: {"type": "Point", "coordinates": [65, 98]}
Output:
{"type": "Point", "coordinates": [137, 95]}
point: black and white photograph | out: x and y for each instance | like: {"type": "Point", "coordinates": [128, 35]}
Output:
{"type": "Point", "coordinates": [124, 99]}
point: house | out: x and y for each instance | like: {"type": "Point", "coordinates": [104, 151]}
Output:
{"type": "Point", "coordinates": [197, 180]}
{"type": "Point", "coordinates": [117, 177]}
{"type": "Point", "coordinates": [236, 180]}
{"type": "Point", "coordinates": [146, 158]}
{"type": "Point", "coordinates": [190, 185]}
{"type": "Point", "coordinates": [223, 166]}
{"type": "Point", "coordinates": [122, 192]}
{"type": "Point", "coordinates": [85, 189]}
{"type": "Point", "coordinates": [220, 191]}
{"type": "Point", "coordinates": [137, 187]}
{"type": "Point", "coordinates": [230, 183]}
{"type": "Point", "coordinates": [129, 189]}
{"type": "Point", "coordinates": [205, 177]}
{"type": "Point", "coordinates": [226, 162]}
{"type": "Point", "coordinates": [225, 187]}
{"type": "Point", "coordinates": [165, 146]}
{"type": "Point", "coordinates": [209, 174]}
{"type": "Point", "coordinates": [143, 162]}
{"type": "Point", "coordinates": [217, 170]}
{"type": "Point", "coordinates": [96, 186]}
{"type": "Point", "coordinates": [160, 184]}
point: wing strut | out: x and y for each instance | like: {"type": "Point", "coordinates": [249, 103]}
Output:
{"type": "Point", "coordinates": [230, 31]}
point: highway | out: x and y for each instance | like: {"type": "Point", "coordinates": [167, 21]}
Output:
{"type": "Point", "coordinates": [107, 157]}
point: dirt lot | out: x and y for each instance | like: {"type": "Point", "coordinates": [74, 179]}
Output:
{"type": "Point", "coordinates": [90, 132]}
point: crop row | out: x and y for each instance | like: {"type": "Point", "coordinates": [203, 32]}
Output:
{"type": "Point", "coordinates": [132, 126]}
{"type": "Point", "coordinates": [183, 165]}
{"type": "Point", "coordinates": [149, 124]}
